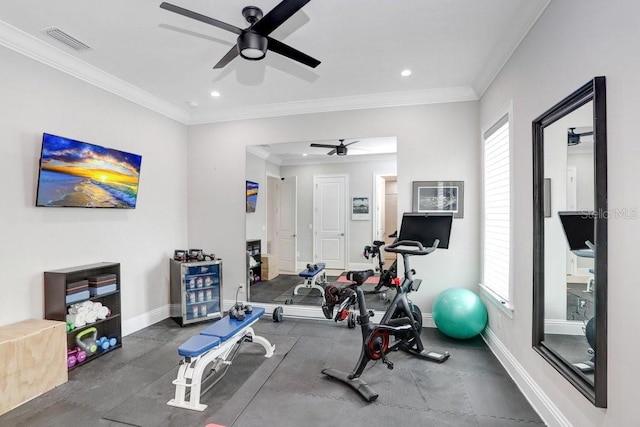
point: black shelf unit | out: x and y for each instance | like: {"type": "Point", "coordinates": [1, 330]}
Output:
{"type": "Point", "coordinates": [56, 307]}
{"type": "Point", "coordinates": [254, 251]}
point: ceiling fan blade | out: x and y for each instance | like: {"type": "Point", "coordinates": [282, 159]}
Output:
{"type": "Point", "coordinates": [233, 52]}
{"type": "Point", "coordinates": [322, 145]}
{"type": "Point", "coordinates": [198, 17]}
{"type": "Point", "coordinates": [286, 50]}
{"type": "Point", "coordinates": [332, 152]}
{"type": "Point", "coordinates": [283, 11]}
{"type": "Point", "coordinates": [351, 143]}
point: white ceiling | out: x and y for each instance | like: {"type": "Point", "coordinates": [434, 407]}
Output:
{"type": "Point", "coordinates": [164, 61]}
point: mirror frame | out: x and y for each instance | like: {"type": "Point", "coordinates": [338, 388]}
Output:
{"type": "Point", "coordinates": [595, 91]}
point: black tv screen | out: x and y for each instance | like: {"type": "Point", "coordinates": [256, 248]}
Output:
{"type": "Point", "coordinates": [79, 174]}
{"type": "Point", "coordinates": [579, 228]}
{"type": "Point", "coordinates": [426, 228]}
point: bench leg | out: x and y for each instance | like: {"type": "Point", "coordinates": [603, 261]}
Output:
{"type": "Point", "coordinates": [268, 348]}
{"type": "Point", "coordinates": [189, 377]}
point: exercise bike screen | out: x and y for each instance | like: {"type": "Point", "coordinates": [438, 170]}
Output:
{"type": "Point", "coordinates": [578, 227]}
{"type": "Point", "coordinates": [426, 228]}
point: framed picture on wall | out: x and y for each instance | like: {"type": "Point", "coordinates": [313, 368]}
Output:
{"type": "Point", "coordinates": [360, 208]}
{"type": "Point", "coordinates": [439, 196]}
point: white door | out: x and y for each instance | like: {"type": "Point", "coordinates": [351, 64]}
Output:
{"type": "Point", "coordinates": [329, 220]}
{"type": "Point", "coordinates": [287, 230]}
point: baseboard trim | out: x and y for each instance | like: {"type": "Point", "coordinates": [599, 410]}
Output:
{"type": "Point", "coordinates": [293, 311]}
{"type": "Point", "coordinates": [143, 320]}
{"type": "Point", "coordinates": [564, 327]}
{"type": "Point", "coordinates": [548, 411]}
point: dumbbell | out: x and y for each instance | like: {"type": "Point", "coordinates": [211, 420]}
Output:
{"type": "Point", "coordinates": [239, 310]}
{"type": "Point", "coordinates": [312, 267]}
{"type": "Point", "coordinates": [106, 343]}
{"type": "Point", "coordinates": [75, 356]}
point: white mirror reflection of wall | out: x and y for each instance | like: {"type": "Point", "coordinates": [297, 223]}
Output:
{"type": "Point", "coordinates": [569, 171]}
{"type": "Point", "coordinates": [284, 219]}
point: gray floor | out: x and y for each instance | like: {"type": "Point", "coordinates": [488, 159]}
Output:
{"type": "Point", "coordinates": [131, 385]}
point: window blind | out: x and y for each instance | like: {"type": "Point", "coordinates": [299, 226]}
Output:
{"type": "Point", "coordinates": [497, 208]}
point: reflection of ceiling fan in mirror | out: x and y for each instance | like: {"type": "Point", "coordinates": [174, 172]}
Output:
{"type": "Point", "coordinates": [340, 149]}
{"type": "Point", "coordinates": [574, 134]}
{"type": "Point", "coordinates": [253, 41]}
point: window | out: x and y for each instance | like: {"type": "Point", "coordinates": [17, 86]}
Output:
{"type": "Point", "coordinates": [496, 227]}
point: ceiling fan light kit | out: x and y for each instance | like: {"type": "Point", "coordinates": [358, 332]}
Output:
{"type": "Point", "coordinates": [252, 46]}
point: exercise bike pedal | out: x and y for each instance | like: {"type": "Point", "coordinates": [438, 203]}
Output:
{"type": "Point", "coordinates": [435, 356]}
{"type": "Point", "coordinates": [387, 362]}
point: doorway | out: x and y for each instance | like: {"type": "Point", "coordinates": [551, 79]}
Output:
{"type": "Point", "coordinates": [386, 213]}
{"type": "Point", "coordinates": [329, 219]}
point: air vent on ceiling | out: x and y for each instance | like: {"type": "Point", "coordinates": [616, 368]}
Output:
{"type": "Point", "coordinates": [65, 38]}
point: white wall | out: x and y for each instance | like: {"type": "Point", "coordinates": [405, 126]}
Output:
{"type": "Point", "coordinates": [360, 183]}
{"type": "Point", "coordinates": [435, 142]}
{"type": "Point", "coordinates": [37, 99]}
{"type": "Point", "coordinates": [570, 44]}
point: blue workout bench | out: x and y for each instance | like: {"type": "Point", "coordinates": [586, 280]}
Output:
{"type": "Point", "coordinates": [212, 347]}
{"type": "Point", "coordinates": [313, 279]}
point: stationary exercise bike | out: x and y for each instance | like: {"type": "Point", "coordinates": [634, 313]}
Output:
{"type": "Point", "coordinates": [401, 324]}
{"type": "Point", "coordinates": [386, 276]}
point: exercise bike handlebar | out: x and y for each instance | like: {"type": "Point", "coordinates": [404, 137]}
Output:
{"type": "Point", "coordinates": [400, 247]}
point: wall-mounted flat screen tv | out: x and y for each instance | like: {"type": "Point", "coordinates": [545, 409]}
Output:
{"type": "Point", "coordinates": [252, 195]}
{"type": "Point", "coordinates": [78, 174]}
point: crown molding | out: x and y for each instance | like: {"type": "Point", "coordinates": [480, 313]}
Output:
{"type": "Point", "coordinates": [361, 102]}
{"type": "Point", "coordinates": [522, 23]}
{"type": "Point", "coordinates": [258, 151]}
{"type": "Point", "coordinates": [34, 48]}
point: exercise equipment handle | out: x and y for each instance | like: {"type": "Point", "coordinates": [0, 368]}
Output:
{"type": "Point", "coordinates": [400, 247]}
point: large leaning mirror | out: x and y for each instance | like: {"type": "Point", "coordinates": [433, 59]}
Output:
{"type": "Point", "coordinates": [570, 239]}
{"type": "Point", "coordinates": [318, 203]}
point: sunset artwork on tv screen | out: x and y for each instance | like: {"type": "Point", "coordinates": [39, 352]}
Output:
{"type": "Point", "coordinates": [78, 174]}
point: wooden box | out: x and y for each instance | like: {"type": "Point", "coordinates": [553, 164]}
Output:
{"type": "Point", "coordinates": [269, 267]}
{"type": "Point", "coordinates": [33, 355]}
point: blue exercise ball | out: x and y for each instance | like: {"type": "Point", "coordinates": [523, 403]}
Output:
{"type": "Point", "coordinates": [459, 313]}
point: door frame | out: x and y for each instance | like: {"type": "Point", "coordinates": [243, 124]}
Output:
{"type": "Point", "coordinates": [345, 243]}
{"type": "Point", "coordinates": [269, 214]}
{"type": "Point", "coordinates": [379, 179]}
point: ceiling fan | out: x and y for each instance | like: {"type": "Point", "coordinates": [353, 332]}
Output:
{"type": "Point", "coordinates": [340, 149]}
{"type": "Point", "coordinates": [573, 136]}
{"type": "Point", "coordinates": [253, 41]}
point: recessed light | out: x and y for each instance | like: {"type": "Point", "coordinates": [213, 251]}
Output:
{"type": "Point", "coordinates": [192, 103]}
{"type": "Point", "coordinates": [215, 94]}
{"type": "Point", "coordinates": [405, 73]}
{"type": "Point", "coordinates": [304, 154]}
